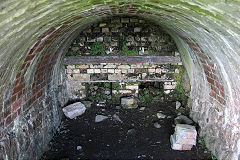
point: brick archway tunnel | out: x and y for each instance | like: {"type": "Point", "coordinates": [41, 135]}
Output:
{"type": "Point", "coordinates": [36, 34]}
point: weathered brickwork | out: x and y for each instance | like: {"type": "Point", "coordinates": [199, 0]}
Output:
{"type": "Point", "coordinates": [32, 42]}
{"type": "Point", "coordinates": [122, 35]}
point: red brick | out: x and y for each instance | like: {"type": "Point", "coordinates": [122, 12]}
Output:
{"type": "Point", "coordinates": [49, 31]}
{"type": "Point", "coordinates": [34, 47]}
{"type": "Point", "coordinates": [16, 105]}
{"type": "Point", "coordinates": [222, 94]}
{"type": "Point", "coordinates": [211, 81]}
{"type": "Point", "coordinates": [18, 88]}
{"type": "Point", "coordinates": [213, 94]}
{"type": "Point", "coordinates": [14, 115]}
{"type": "Point", "coordinates": [221, 100]}
{"type": "Point", "coordinates": [206, 68]}
{"type": "Point", "coordinates": [18, 75]}
{"type": "Point", "coordinates": [7, 112]}
{"type": "Point", "coordinates": [29, 58]}
{"type": "Point", "coordinates": [8, 121]}
{"type": "Point", "coordinates": [19, 111]}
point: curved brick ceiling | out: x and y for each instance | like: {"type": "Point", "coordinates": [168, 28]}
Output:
{"type": "Point", "coordinates": [35, 34]}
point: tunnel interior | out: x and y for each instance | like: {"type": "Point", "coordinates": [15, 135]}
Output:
{"type": "Point", "coordinates": [35, 36]}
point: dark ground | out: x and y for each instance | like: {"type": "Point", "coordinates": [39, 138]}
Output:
{"type": "Point", "coordinates": [134, 138]}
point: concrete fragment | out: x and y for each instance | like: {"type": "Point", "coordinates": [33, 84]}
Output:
{"type": "Point", "coordinates": [157, 125]}
{"type": "Point", "coordinates": [74, 110]}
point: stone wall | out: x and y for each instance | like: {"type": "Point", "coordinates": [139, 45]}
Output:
{"type": "Point", "coordinates": [144, 70]}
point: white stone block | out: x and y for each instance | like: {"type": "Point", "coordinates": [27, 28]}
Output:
{"type": "Point", "coordinates": [74, 110]}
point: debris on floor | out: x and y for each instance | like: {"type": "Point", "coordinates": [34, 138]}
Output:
{"type": "Point", "coordinates": [184, 137]}
{"type": "Point", "coordinates": [108, 132]}
{"type": "Point", "coordinates": [100, 118]}
{"type": "Point", "coordinates": [73, 110]}
{"type": "Point", "coordinates": [129, 102]}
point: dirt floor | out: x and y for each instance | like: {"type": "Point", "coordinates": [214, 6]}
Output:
{"type": "Point", "coordinates": [126, 134]}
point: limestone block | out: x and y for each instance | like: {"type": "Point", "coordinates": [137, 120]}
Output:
{"type": "Point", "coordinates": [110, 66]}
{"type": "Point", "coordinates": [124, 67]}
{"type": "Point", "coordinates": [74, 110]}
{"type": "Point", "coordinates": [104, 70]}
{"type": "Point", "coordinates": [124, 70]}
{"type": "Point", "coordinates": [169, 86]}
{"type": "Point", "coordinates": [133, 20]}
{"type": "Point", "coordinates": [75, 71]}
{"type": "Point", "coordinates": [130, 70]}
{"type": "Point", "coordinates": [81, 77]}
{"type": "Point", "coordinates": [97, 71]}
{"type": "Point", "coordinates": [100, 39]}
{"type": "Point", "coordinates": [90, 70]}
{"type": "Point", "coordinates": [110, 70]}
{"type": "Point", "coordinates": [117, 71]}
{"type": "Point", "coordinates": [116, 77]}
{"type": "Point", "coordinates": [70, 66]}
{"type": "Point", "coordinates": [132, 87]}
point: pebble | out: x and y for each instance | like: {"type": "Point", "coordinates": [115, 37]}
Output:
{"type": "Point", "coordinates": [142, 109]}
{"type": "Point", "coordinates": [79, 148]}
{"type": "Point", "coordinates": [160, 115]}
{"type": "Point", "coordinates": [157, 125]}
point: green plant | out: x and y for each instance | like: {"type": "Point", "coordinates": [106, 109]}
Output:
{"type": "Point", "coordinates": [180, 92]}
{"type": "Point", "coordinates": [107, 85]}
{"type": "Point", "coordinates": [97, 48]}
{"type": "Point", "coordinates": [213, 157]}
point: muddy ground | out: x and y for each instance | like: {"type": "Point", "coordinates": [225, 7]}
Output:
{"type": "Point", "coordinates": [134, 137]}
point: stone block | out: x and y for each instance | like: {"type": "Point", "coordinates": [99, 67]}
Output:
{"type": "Point", "coordinates": [74, 110]}
{"type": "Point", "coordinates": [124, 67]}
{"type": "Point", "coordinates": [130, 70]}
{"type": "Point", "coordinates": [105, 30]}
{"type": "Point", "coordinates": [110, 66]}
{"type": "Point", "coordinates": [174, 145]}
{"type": "Point", "coordinates": [132, 87]}
{"type": "Point", "coordinates": [133, 20]}
{"type": "Point", "coordinates": [151, 70]}
{"type": "Point", "coordinates": [70, 66]}
{"type": "Point", "coordinates": [125, 20]}
{"type": "Point", "coordinates": [158, 70]}
{"type": "Point", "coordinates": [97, 71]}
{"type": "Point", "coordinates": [137, 29]}
{"type": "Point", "coordinates": [117, 71]}
{"type": "Point", "coordinates": [110, 71]}
{"type": "Point", "coordinates": [104, 70]}
{"type": "Point", "coordinates": [124, 71]}
{"type": "Point", "coordinates": [81, 77]}
{"type": "Point", "coordinates": [102, 24]}
{"type": "Point", "coordinates": [100, 39]}
{"type": "Point", "coordinates": [90, 70]}
{"type": "Point", "coordinates": [169, 86]}
{"type": "Point", "coordinates": [116, 77]}
{"type": "Point", "coordinates": [75, 71]}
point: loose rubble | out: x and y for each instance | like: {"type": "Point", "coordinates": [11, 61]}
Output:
{"type": "Point", "coordinates": [100, 118]}
{"type": "Point", "coordinates": [184, 137]}
{"type": "Point", "coordinates": [73, 110]}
